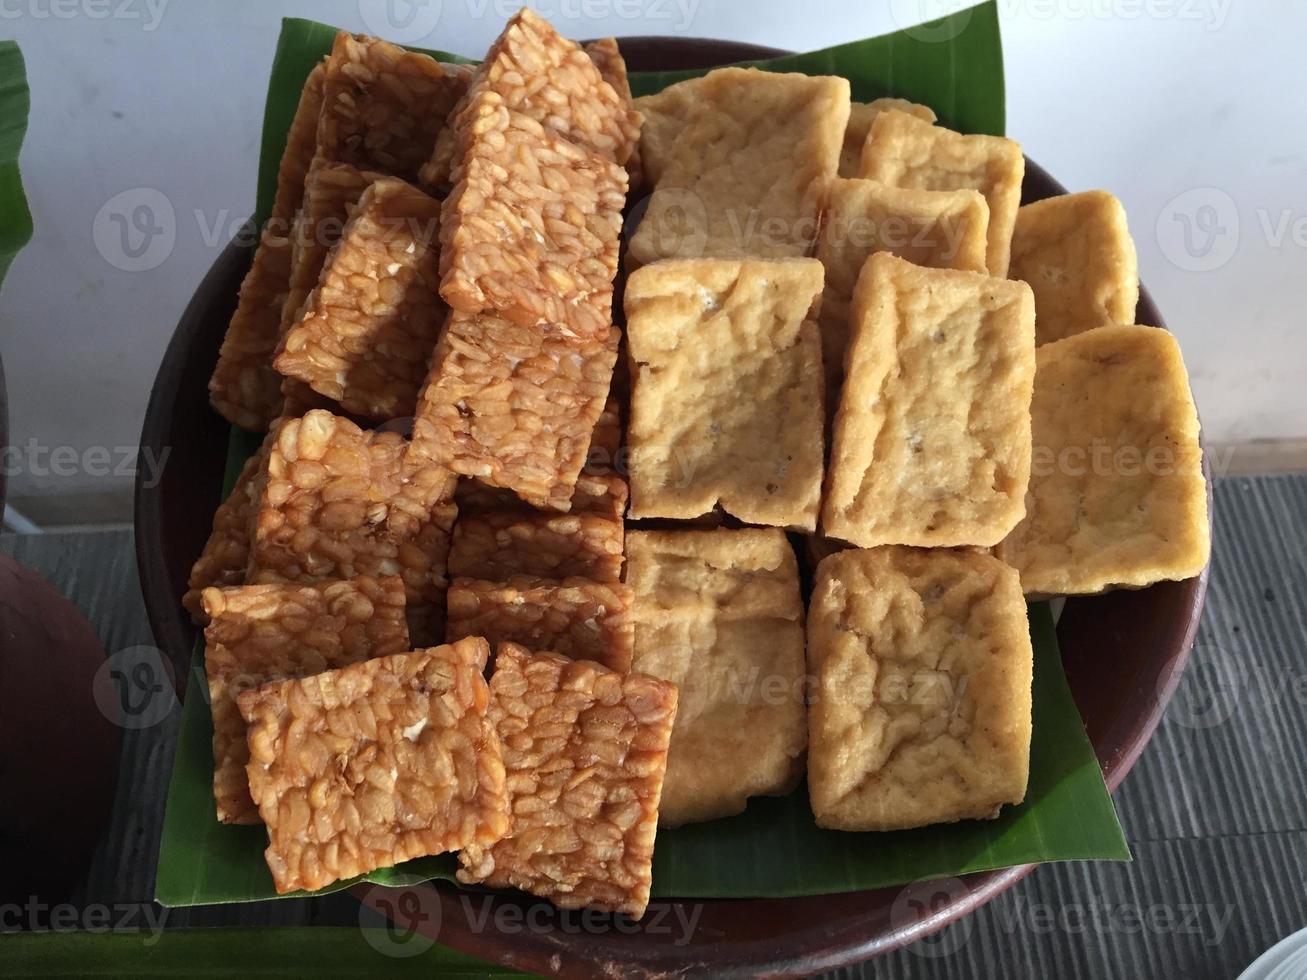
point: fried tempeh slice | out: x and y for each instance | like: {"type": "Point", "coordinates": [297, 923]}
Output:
{"type": "Point", "coordinates": [701, 332]}
{"type": "Point", "coordinates": [932, 436]}
{"type": "Point", "coordinates": [607, 56]}
{"type": "Point", "coordinates": [380, 762]}
{"type": "Point", "coordinates": [1076, 253]}
{"type": "Point", "coordinates": [1117, 495]}
{"type": "Point", "coordinates": [338, 501]}
{"type": "Point", "coordinates": [370, 326]}
{"type": "Point", "coordinates": [585, 750]}
{"type": "Point", "coordinates": [244, 388]}
{"type": "Point", "coordinates": [263, 633]}
{"type": "Point", "coordinates": [921, 709]}
{"type": "Point", "coordinates": [537, 73]}
{"type": "Point", "coordinates": [497, 545]}
{"type": "Point", "coordinates": [732, 158]}
{"type": "Point", "coordinates": [719, 614]}
{"type": "Point", "coordinates": [904, 151]}
{"type": "Point", "coordinates": [530, 230]}
{"type": "Point", "coordinates": [383, 107]}
{"type": "Point", "coordinates": [514, 406]}
{"type": "Point", "coordinates": [939, 229]}
{"type": "Point", "coordinates": [576, 617]}
{"type": "Point", "coordinates": [225, 559]}
{"type": "Point", "coordinates": [861, 116]}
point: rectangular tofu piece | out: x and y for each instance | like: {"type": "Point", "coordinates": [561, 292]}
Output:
{"type": "Point", "coordinates": [932, 437]}
{"type": "Point", "coordinates": [920, 709]}
{"type": "Point", "coordinates": [576, 617]}
{"type": "Point", "coordinates": [535, 72]}
{"type": "Point", "coordinates": [904, 151]}
{"type": "Point", "coordinates": [368, 329]}
{"type": "Point", "coordinates": [585, 750]}
{"type": "Point", "coordinates": [513, 406]}
{"type": "Point", "coordinates": [530, 231]}
{"type": "Point", "coordinates": [1117, 495]}
{"type": "Point", "coordinates": [719, 614]}
{"type": "Point", "coordinates": [1076, 253]}
{"type": "Point", "coordinates": [258, 634]}
{"type": "Point", "coordinates": [732, 158]}
{"type": "Point", "coordinates": [937, 229]}
{"type": "Point", "coordinates": [383, 106]}
{"type": "Point", "coordinates": [726, 399]}
{"type": "Point", "coordinates": [244, 389]}
{"type": "Point", "coordinates": [497, 545]}
{"type": "Point", "coordinates": [374, 764]}
{"type": "Point", "coordinates": [338, 501]}
{"type": "Point", "coordinates": [861, 116]}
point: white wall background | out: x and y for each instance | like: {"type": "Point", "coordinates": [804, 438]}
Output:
{"type": "Point", "coordinates": [1191, 111]}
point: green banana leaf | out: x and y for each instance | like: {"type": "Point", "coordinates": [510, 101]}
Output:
{"type": "Point", "coordinates": [774, 849]}
{"type": "Point", "coordinates": [15, 218]}
{"type": "Point", "coordinates": [324, 952]}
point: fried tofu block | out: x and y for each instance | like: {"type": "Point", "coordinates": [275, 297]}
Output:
{"type": "Point", "coordinates": [932, 435]}
{"type": "Point", "coordinates": [514, 406]}
{"type": "Point", "coordinates": [497, 545]}
{"type": "Point", "coordinates": [861, 116]}
{"type": "Point", "coordinates": [383, 106]}
{"type": "Point", "coordinates": [577, 618]}
{"type": "Point", "coordinates": [1076, 253]}
{"type": "Point", "coordinates": [719, 614]}
{"type": "Point", "coordinates": [904, 151]}
{"type": "Point", "coordinates": [726, 400]}
{"type": "Point", "coordinates": [535, 72]}
{"type": "Point", "coordinates": [732, 158]}
{"type": "Point", "coordinates": [530, 230]}
{"type": "Point", "coordinates": [337, 501]}
{"type": "Point", "coordinates": [258, 634]}
{"type": "Point", "coordinates": [225, 558]}
{"type": "Point", "coordinates": [938, 229]}
{"type": "Point", "coordinates": [1117, 495]}
{"type": "Point", "coordinates": [585, 750]}
{"type": "Point", "coordinates": [921, 701]}
{"type": "Point", "coordinates": [244, 389]}
{"type": "Point", "coordinates": [370, 326]}
{"type": "Point", "coordinates": [376, 763]}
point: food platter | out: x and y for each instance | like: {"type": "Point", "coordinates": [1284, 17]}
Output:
{"type": "Point", "coordinates": [1145, 635]}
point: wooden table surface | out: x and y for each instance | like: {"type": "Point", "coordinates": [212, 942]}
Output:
{"type": "Point", "coordinates": [1215, 811]}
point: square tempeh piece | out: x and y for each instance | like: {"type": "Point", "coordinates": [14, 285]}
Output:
{"type": "Point", "coordinates": [719, 614]}
{"type": "Point", "coordinates": [904, 151]}
{"type": "Point", "coordinates": [861, 116]}
{"type": "Point", "coordinates": [514, 406]}
{"type": "Point", "coordinates": [939, 229]}
{"type": "Point", "coordinates": [602, 494]}
{"type": "Point", "coordinates": [225, 559]}
{"type": "Point", "coordinates": [377, 763]}
{"type": "Point", "coordinates": [259, 634]}
{"type": "Point", "coordinates": [338, 501]}
{"type": "Point", "coordinates": [1117, 495]}
{"type": "Point", "coordinates": [497, 545]}
{"type": "Point", "coordinates": [732, 158]}
{"type": "Point", "coordinates": [530, 230]}
{"type": "Point", "coordinates": [534, 71]}
{"type": "Point", "coordinates": [932, 435]}
{"type": "Point", "coordinates": [578, 618]}
{"type": "Point", "coordinates": [370, 326]}
{"type": "Point", "coordinates": [584, 752]}
{"type": "Point", "coordinates": [607, 57]}
{"type": "Point", "coordinates": [1076, 253]}
{"type": "Point", "coordinates": [244, 388]}
{"type": "Point", "coordinates": [922, 667]}
{"type": "Point", "coordinates": [726, 400]}
{"type": "Point", "coordinates": [383, 106]}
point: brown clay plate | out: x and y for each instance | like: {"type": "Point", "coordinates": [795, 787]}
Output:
{"type": "Point", "coordinates": [1144, 635]}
